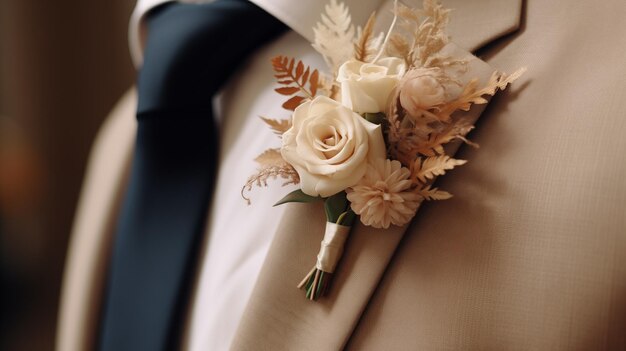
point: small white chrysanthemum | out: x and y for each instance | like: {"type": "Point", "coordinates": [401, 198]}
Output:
{"type": "Point", "coordinates": [383, 196]}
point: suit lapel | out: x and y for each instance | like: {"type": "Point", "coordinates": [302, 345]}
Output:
{"type": "Point", "coordinates": [277, 314]}
{"type": "Point", "coordinates": [92, 235]}
{"type": "Point", "coordinates": [476, 23]}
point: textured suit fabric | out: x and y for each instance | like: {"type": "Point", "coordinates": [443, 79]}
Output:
{"type": "Point", "coordinates": [531, 252]}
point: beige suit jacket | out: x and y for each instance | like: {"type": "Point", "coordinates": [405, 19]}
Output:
{"type": "Point", "coordinates": [529, 255]}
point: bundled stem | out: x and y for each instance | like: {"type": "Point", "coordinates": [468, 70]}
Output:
{"type": "Point", "coordinates": [315, 283]}
{"type": "Point", "coordinates": [339, 221]}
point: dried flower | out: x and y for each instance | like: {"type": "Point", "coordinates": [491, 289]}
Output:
{"type": "Point", "coordinates": [383, 196]}
{"type": "Point", "coordinates": [420, 90]}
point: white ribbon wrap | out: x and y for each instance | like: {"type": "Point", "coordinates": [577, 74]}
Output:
{"type": "Point", "coordinates": [332, 247]}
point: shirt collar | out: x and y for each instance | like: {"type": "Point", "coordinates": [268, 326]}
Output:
{"type": "Point", "coordinates": [474, 23]}
{"type": "Point", "coordinates": [301, 16]}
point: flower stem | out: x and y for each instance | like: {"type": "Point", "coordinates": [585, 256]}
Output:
{"type": "Point", "coordinates": [393, 24]}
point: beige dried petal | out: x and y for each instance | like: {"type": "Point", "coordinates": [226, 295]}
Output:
{"type": "Point", "coordinates": [383, 196]}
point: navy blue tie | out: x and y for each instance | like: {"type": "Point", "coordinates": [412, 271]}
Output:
{"type": "Point", "coordinates": [190, 52]}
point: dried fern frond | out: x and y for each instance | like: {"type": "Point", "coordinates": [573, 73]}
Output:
{"type": "Point", "coordinates": [403, 145]}
{"type": "Point", "coordinates": [429, 193]}
{"type": "Point", "coordinates": [436, 141]}
{"type": "Point", "coordinates": [405, 134]}
{"type": "Point", "coordinates": [278, 126]}
{"type": "Point", "coordinates": [431, 36]}
{"type": "Point", "coordinates": [422, 35]}
{"type": "Point", "coordinates": [399, 47]}
{"type": "Point", "coordinates": [428, 168]}
{"type": "Point", "coordinates": [272, 166]}
{"type": "Point", "coordinates": [294, 76]}
{"type": "Point", "coordinates": [334, 35]}
{"type": "Point", "coordinates": [270, 157]}
{"type": "Point", "coordinates": [446, 62]}
{"type": "Point", "coordinates": [367, 45]}
{"type": "Point", "coordinates": [472, 95]}
{"type": "Point", "coordinates": [409, 139]}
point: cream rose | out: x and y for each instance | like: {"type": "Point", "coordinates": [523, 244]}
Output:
{"type": "Point", "coordinates": [421, 90]}
{"type": "Point", "coordinates": [329, 146]}
{"type": "Point", "coordinates": [365, 87]}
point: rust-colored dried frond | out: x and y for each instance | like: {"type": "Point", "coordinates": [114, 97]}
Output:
{"type": "Point", "coordinates": [294, 76]}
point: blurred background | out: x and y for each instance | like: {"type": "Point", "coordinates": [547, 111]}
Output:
{"type": "Point", "coordinates": [63, 64]}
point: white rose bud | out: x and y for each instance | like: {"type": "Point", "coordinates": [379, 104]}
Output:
{"type": "Point", "coordinates": [420, 91]}
{"type": "Point", "coordinates": [329, 146]}
{"type": "Point", "coordinates": [365, 87]}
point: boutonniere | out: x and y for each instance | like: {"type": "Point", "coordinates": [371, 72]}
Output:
{"type": "Point", "coordinates": [368, 138]}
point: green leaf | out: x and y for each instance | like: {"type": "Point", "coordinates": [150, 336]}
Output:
{"type": "Point", "coordinates": [335, 206]}
{"type": "Point", "coordinates": [297, 196]}
{"type": "Point", "coordinates": [347, 218]}
{"type": "Point", "coordinates": [376, 118]}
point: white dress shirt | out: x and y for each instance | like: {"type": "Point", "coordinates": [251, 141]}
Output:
{"type": "Point", "coordinates": [238, 235]}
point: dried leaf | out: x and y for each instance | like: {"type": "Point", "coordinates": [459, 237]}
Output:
{"type": "Point", "coordinates": [291, 63]}
{"type": "Point", "coordinates": [334, 35]}
{"type": "Point", "coordinates": [430, 167]}
{"type": "Point", "coordinates": [434, 145]}
{"type": "Point", "coordinates": [294, 102]}
{"type": "Point", "coordinates": [305, 76]}
{"type": "Point", "coordinates": [287, 90]}
{"type": "Point", "coordinates": [399, 47]}
{"type": "Point", "coordinates": [299, 70]}
{"type": "Point", "coordinates": [472, 95]}
{"type": "Point", "coordinates": [506, 80]}
{"type": "Point", "coordinates": [270, 157]}
{"type": "Point", "coordinates": [297, 196]}
{"type": "Point", "coordinates": [295, 82]}
{"type": "Point", "coordinates": [422, 33]}
{"type": "Point", "coordinates": [278, 126]}
{"type": "Point", "coordinates": [313, 82]}
{"type": "Point", "coordinates": [433, 194]}
{"type": "Point", "coordinates": [272, 167]}
{"type": "Point", "coordinates": [367, 45]}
